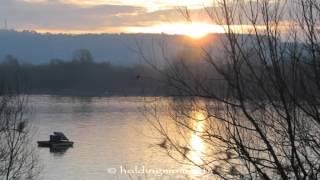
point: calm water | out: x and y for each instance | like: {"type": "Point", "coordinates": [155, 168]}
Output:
{"type": "Point", "coordinates": [111, 135]}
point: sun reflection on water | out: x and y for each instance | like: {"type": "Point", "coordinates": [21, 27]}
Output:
{"type": "Point", "coordinates": [196, 142]}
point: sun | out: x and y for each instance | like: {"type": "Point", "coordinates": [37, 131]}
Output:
{"type": "Point", "coordinates": [195, 32]}
{"type": "Point", "coordinates": [192, 30]}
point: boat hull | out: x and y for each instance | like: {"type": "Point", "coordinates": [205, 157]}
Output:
{"type": "Point", "coordinates": [53, 144]}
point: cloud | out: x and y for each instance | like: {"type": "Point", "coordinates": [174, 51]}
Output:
{"type": "Point", "coordinates": [56, 15]}
{"type": "Point", "coordinates": [83, 15]}
{"type": "Point", "coordinates": [151, 5]}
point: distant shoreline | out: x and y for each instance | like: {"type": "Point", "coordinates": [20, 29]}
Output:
{"type": "Point", "coordinates": [88, 94]}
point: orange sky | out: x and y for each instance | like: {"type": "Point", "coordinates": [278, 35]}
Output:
{"type": "Point", "coordinates": [105, 16]}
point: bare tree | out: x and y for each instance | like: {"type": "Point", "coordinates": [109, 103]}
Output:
{"type": "Point", "coordinates": [258, 98]}
{"type": "Point", "coordinates": [17, 159]}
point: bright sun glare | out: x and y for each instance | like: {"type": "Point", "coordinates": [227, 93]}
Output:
{"type": "Point", "coordinates": [193, 30]}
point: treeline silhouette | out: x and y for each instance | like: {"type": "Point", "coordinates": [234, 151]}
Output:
{"type": "Point", "coordinates": [80, 76]}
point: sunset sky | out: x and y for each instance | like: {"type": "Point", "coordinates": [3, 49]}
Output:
{"type": "Point", "coordinates": [110, 16]}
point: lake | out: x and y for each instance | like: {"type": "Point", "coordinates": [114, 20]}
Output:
{"type": "Point", "coordinates": [113, 140]}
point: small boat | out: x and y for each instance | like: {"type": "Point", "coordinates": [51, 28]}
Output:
{"type": "Point", "coordinates": [58, 139]}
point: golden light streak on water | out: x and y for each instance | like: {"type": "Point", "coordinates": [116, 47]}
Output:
{"type": "Point", "coordinates": [196, 142]}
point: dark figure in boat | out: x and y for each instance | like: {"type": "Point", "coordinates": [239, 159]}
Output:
{"type": "Point", "coordinates": [58, 139]}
